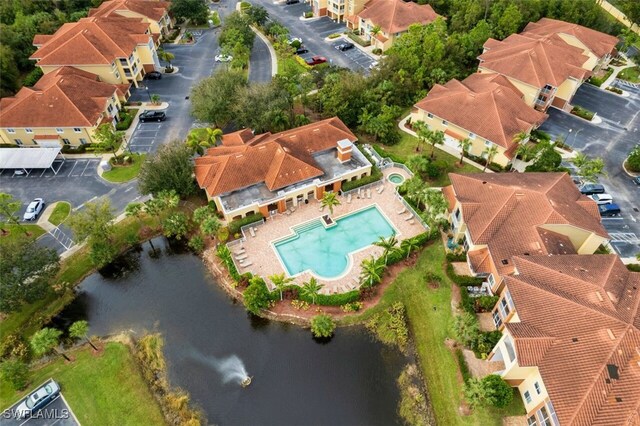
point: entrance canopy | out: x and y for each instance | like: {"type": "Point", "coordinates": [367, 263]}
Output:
{"type": "Point", "coordinates": [29, 158]}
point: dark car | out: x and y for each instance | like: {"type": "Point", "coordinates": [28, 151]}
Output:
{"type": "Point", "coordinates": [154, 75]}
{"type": "Point", "coordinates": [153, 116]}
{"type": "Point", "coordinates": [608, 210]}
{"type": "Point", "coordinates": [292, 2]}
{"type": "Point", "coordinates": [345, 46]}
{"type": "Point", "coordinates": [636, 180]}
{"type": "Point", "coordinates": [592, 188]}
{"type": "Point", "coordinates": [301, 50]}
{"type": "Point", "coordinates": [315, 60]}
{"type": "Point", "coordinates": [38, 399]}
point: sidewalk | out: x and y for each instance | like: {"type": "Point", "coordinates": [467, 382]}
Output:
{"type": "Point", "coordinates": [616, 70]}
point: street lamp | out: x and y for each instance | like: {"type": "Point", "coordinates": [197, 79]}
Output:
{"type": "Point", "coordinates": [146, 88]}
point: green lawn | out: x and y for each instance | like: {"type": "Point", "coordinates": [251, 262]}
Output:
{"type": "Point", "coordinates": [431, 321]}
{"type": "Point", "coordinates": [17, 232]}
{"type": "Point", "coordinates": [99, 389]}
{"type": "Point", "coordinates": [407, 148]}
{"type": "Point", "coordinates": [60, 213]}
{"type": "Point", "coordinates": [630, 74]}
{"type": "Point", "coordinates": [120, 174]}
{"type": "Point", "coordinates": [291, 63]}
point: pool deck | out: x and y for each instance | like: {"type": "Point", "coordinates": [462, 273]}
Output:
{"type": "Point", "coordinates": [260, 251]}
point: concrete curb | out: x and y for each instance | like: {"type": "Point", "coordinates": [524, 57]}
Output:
{"type": "Point", "coordinates": [272, 51]}
{"type": "Point", "coordinates": [630, 174]}
{"type": "Point", "coordinates": [444, 148]}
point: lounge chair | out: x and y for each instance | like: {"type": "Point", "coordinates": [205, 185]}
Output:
{"type": "Point", "coordinates": [402, 210]}
{"type": "Point", "coordinates": [409, 217]}
{"type": "Point", "coordinates": [349, 199]}
{"type": "Point", "coordinates": [287, 212]}
{"type": "Point", "coordinates": [242, 257]}
{"type": "Point", "coordinates": [411, 222]}
{"type": "Point", "coordinates": [244, 265]}
{"type": "Point", "coordinates": [380, 189]}
{"type": "Point", "coordinates": [252, 232]}
{"type": "Point", "coordinates": [369, 193]}
{"type": "Point", "coordinates": [242, 250]}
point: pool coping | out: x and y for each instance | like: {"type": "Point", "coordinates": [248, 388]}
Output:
{"type": "Point", "coordinates": [350, 255]}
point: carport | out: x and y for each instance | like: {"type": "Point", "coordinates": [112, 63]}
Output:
{"type": "Point", "coordinates": [27, 159]}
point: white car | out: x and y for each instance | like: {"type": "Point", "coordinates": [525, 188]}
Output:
{"type": "Point", "coordinates": [224, 58]}
{"type": "Point", "coordinates": [373, 65]}
{"type": "Point", "coordinates": [602, 199]}
{"type": "Point", "coordinates": [34, 209]}
{"type": "Point", "coordinates": [38, 399]}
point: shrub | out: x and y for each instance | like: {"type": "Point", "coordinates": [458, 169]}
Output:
{"type": "Point", "coordinates": [15, 346]}
{"type": "Point", "coordinates": [633, 267]}
{"type": "Point", "coordinates": [322, 326]}
{"type": "Point", "coordinates": [597, 81]}
{"type": "Point", "coordinates": [373, 177]}
{"type": "Point", "coordinates": [492, 390]}
{"type": "Point", "coordinates": [256, 296]}
{"type": "Point", "coordinates": [80, 149]}
{"type": "Point", "coordinates": [453, 257]}
{"type": "Point", "coordinates": [466, 302]}
{"type": "Point", "coordinates": [377, 51]}
{"type": "Point", "coordinates": [352, 307]}
{"type": "Point", "coordinates": [196, 244]}
{"type": "Point", "coordinates": [486, 303]}
{"type": "Point", "coordinates": [485, 342]}
{"type": "Point", "coordinates": [15, 372]}
{"type": "Point", "coordinates": [125, 121]}
{"type": "Point", "coordinates": [309, 14]}
{"type": "Point", "coordinates": [582, 112]}
{"type": "Point", "coordinates": [33, 77]}
{"type": "Point", "coordinates": [462, 280]}
{"type": "Point", "coordinates": [225, 255]}
{"type": "Point", "coordinates": [235, 225]}
{"type": "Point", "coordinates": [334, 35]}
{"type": "Point", "coordinates": [614, 90]}
{"type": "Point", "coordinates": [413, 406]}
{"type": "Point", "coordinates": [390, 326]}
{"type": "Point", "coordinates": [633, 160]}
{"type": "Point", "coordinates": [467, 329]}
{"type": "Point", "coordinates": [548, 161]}
{"type": "Point", "coordinates": [357, 39]}
{"type": "Point", "coordinates": [223, 234]}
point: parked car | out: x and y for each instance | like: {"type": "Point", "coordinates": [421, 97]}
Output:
{"type": "Point", "coordinates": [224, 58]}
{"type": "Point", "coordinates": [373, 65]}
{"type": "Point", "coordinates": [38, 399]}
{"type": "Point", "coordinates": [153, 116]}
{"type": "Point", "coordinates": [345, 46]}
{"type": "Point", "coordinates": [608, 210]}
{"type": "Point", "coordinates": [301, 50]}
{"type": "Point", "coordinates": [292, 2]}
{"type": "Point", "coordinates": [592, 188]}
{"type": "Point", "coordinates": [601, 199]}
{"type": "Point", "coordinates": [636, 180]}
{"type": "Point", "coordinates": [315, 60]}
{"type": "Point", "coordinates": [34, 209]}
{"type": "Point", "coordinates": [154, 75]}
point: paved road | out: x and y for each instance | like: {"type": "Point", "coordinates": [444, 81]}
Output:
{"type": "Point", "coordinates": [56, 413]}
{"type": "Point", "coordinates": [260, 62]}
{"type": "Point", "coordinates": [612, 140]}
{"type": "Point", "coordinates": [313, 33]}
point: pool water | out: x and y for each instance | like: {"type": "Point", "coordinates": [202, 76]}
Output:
{"type": "Point", "coordinates": [396, 178]}
{"type": "Point", "coordinates": [325, 251]}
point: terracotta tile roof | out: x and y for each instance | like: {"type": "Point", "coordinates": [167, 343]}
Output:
{"type": "Point", "coordinates": [480, 261]}
{"type": "Point", "coordinates": [95, 40]}
{"type": "Point", "coordinates": [66, 97]}
{"type": "Point", "coordinates": [152, 9]}
{"type": "Point", "coordinates": [450, 196]}
{"type": "Point", "coordinates": [485, 104]}
{"type": "Point", "coordinates": [599, 43]}
{"type": "Point", "coordinates": [514, 213]}
{"type": "Point", "coordinates": [277, 160]}
{"type": "Point", "coordinates": [394, 16]}
{"type": "Point", "coordinates": [534, 60]}
{"type": "Point", "coordinates": [584, 341]}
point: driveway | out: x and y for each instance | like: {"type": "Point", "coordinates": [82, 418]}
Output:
{"type": "Point", "coordinates": [313, 34]}
{"type": "Point", "coordinates": [612, 139]}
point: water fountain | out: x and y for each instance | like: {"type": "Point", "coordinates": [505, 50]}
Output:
{"type": "Point", "coordinates": [231, 368]}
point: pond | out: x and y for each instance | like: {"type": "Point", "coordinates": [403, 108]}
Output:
{"type": "Point", "coordinates": [348, 381]}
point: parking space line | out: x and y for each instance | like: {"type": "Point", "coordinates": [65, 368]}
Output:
{"type": "Point", "coordinates": [75, 163]}
{"type": "Point", "coordinates": [85, 167]}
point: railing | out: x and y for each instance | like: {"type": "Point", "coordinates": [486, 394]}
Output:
{"type": "Point", "coordinates": [369, 185]}
{"type": "Point", "coordinates": [410, 208]}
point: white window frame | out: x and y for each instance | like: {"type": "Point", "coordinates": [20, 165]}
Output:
{"type": "Point", "coordinates": [497, 321]}
{"type": "Point", "coordinates": [544, 418]}
{"type": "Point", "coordinates": [77, 130]}
{"type": "Point", "coordinates": [83, 141]}
{"type": "Point", "coordinates": [18, 142]}
{"type": "Point", "coordinates": [472, 135]}
{"type": "Point", "coordinates": [66, 141]}
{"type": "Point", "coordinates": [527, 397]}
{"type": "Point", "coordinates": [12, 131]}
{"type": "Point", "coordinates": [491, 280]}
{"type": "Point", "coordinates": [537, 387]}
{"type": "Point", "coordinates": [59, 130]}
{"type": "Point", "coordinates": [445, 123]}
{"type": "Point", "coordinates": [28, 130]}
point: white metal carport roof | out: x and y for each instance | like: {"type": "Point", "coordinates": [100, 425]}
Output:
{"type": "Point", "coordinates": [29, 158]}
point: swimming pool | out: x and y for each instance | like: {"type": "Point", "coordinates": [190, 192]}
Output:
{"type": "Point", "coordinates": [325, 251]}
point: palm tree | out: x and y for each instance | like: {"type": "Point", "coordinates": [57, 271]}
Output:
{"type": "Point", "coordinates": [46, 340]}
{"type": "Point", "coordinates": [329, 199]}
{"type": "Point", "coordinates": [464, 145]}
{"type": "Point", "coordinates": [409, 245]}
{"type": "Point", "coordinates": [375, 30]}
{"type": "Point", "coordinates": [80, 329]}
{"type": "Point", "coordinates": [422, 132]}
{"type": "Point", "coordinates": [524, 152]}
{"type": "Point", "coordinates": [371, 272]}
{"type": "Point", "coordinates": [580, 160]}
{"type": "Point", "coordinates": [435, 206]}
{"type": "Point", "coordinates": [166, 56]}
{"type": "Point", "coordinates": [280, 281]}
{"type": "Point", "coordinates": [387, 244]}
{"type": "Point", "coordinates": [491, 151]}
{"type": "Point", "coordinates": [196, 144]}
{"type": "Point", "coordinates": [521, 137]}
{"type": "Point", "coordinates": [435, 138]}
{"type": "Point", "coordinates": [418, 163]}
{"type": "Point", "coordinates": [311, 289]}
{"type": "Point", "coordinates": [214, 136]}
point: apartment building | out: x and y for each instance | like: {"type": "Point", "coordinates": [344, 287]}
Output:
{"type": "Point", "coordinates": [152, 12]}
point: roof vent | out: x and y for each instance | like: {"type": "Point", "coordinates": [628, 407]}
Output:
{"type": "Point", "coordinates": [484, 182]}
{"type": "Point", "coordinates": [574, 340]}
{"type": "Point", "coordinates": [611, 335]}
{"type": "Point", "coordinates": [612, 369]}
{"type": "Point", "coordinates": [505, 261]}
{"type": "Point", "coordinates": [599, 296]}
{"type": "Point", "coordinates": [618, 399]}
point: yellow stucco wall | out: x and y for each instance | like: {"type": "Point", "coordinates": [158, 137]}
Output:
{"type": "Point", "coordinates": [568, 89]}
{"type": "Point", "coordinates": [529, 385]}
{"type": "Point", "coordinates": [478, 144]}
{"type": "Point", "coordinates": [106, 72]}
{"type": "Point", "coordinates": [529, 92]}
{"type": "Point", "coordinates": [584, 241]}
{"type": "Point", "coordinates": [593, 60]}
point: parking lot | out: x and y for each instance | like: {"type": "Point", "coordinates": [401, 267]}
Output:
{"type": "Point", "coordinates": [611, 139]}
{"type": "Point", "coordinates": [56, 413]}
{"type": "Point", "coordinates": [147, 135]}
{"type": "Point", "coordinates": [70, 168]}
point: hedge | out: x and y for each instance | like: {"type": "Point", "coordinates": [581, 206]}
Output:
{"type": "Point", "coordinates": [357, 39]}
{"type": "Point", "coordinates": [393, 157]}
{"type": "Point", "coordinates": [224, 254]}
{"type": "Point", "coordinates": [348, 186]}
{"type": "Point", "coordinates": [452, 257]}
{"type": "Point", "coordinates": [463, 280]}
{"type": "Point", "coordinates": [582, 112]}
{"type": "Point", "coordinates": [321, 299]}
{"type": "Point", "coordinates": [235, 225]}
{"type": "Point", "coordinates": [125, 121]}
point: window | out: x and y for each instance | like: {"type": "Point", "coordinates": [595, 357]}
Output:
{"type": "Point", "coordinates": [11, 130]}
{"type": "Point", "coordinates": [531, 421]}
{"type": "Point", "coordinates": [429, 115]}
{"type": "Point", "coordinates": [66, 141]}
{"type": "Point", "coordinates": [504, 307]}
{"type": "Point", "coordinates": [543, 417]}
{"type": "Point", "coordinates": [552, 411]}
{"type": "Point", "coordinates": [491, 280]}
{"type": "Point", "coordinates": [110, 109]}
{"type": "Point", "coordinates": [18, 141]}
{"type": "Point", "coordinates": [527, 397]}
{"type": "Point", "coordinates": [538, 389]}
{"type": "Point", "coordinates": [472, 135]}
{"type": "Point", "coordinates": [83, 141]}
{"type": "Point", "coordinates": [445, 123]}
{"type": "Point", "coordinates": [117, 74]}
{"type": "Point", "coordinates": [497, 321]}
{"type": "Point", "coordinates": [113, 64]}
{"type": "Point", "coordinates": [77, 129]}
{"type": "Point", "coordinates": [59, 130]}
{"type": "Point", "coordinates": [487, 143]}
{"type": "Point", "coordinates": [28, 130]}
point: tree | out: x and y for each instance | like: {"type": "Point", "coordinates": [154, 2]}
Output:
{"type": "Point", "coordinates": [422, 132]}
{"type": "Point", "coordinates": [311, 289]}
{"type": "Point", "coordinates": [210, 226]}
{"type": "Point", "coordinates": [257, 14]}
{"type": "Point", "coordinates": [524, 152]}
{"type": "Point", "coordinates": [633, 160]}
{"type": "Point", "coordinates": [375, 30]}
{"type": "Point", "coordinates": [80, 329]}
{"type": "Point", "coordinates": [15, 372]}
{"type": "Point", "coordinates": [547, 160]}
{"type": "Point", "coordinates": [8, 209]}
{"type": "Point", "coordinates": [256, 296]}
{"type": "Point", "coordinates": [435, 205]}
{"type": "Point", "coordinates": [589, 169]}
{"type": "Point", "coordinates": [94, 224]}
{"type": "Point", "coordinates": [491, 390]}
{"type": "Point", "coordinates": [330, 200]}
{"type": "Point", "coordinates": [27, 271]}
{"type": "Point", "coordinates": [176, 225]}
{"type": "Point", "coordinates": [108, 138]}
{"type": "Point", "coordinates": [387, 244]}
{"type": "Point", "coordinates": [168, 169]}
{"type": "Point", "coordinates": [280, 281]}
{"type": "Point", "coordinates": [155, 99]}
{"type": "Point", "coordinates": [213, 98]}
{"type": "Point", "coordinates": [409, 245]}
{"type": "Point", "coordinates": [45, 341]}
{"type": "Point", "coordinates": [490, 152]}
{"type": "Point", "coordinates": [322, 326]}
{"type": "Point", "coordinates": [435, 138]}
{"type": "Point", "coordinates": [194, 10]}
{"type": "Point", "coordinates": [196, 144]}
{"type": "Point", "coordinates": [509, 22]}
{"type": "Point", "coordinates": [464, 145]}
{"type": "Point", "coordinates": [371, 271]}
{"type": "Point", "coordinates": [466, 328]}
{"type": "Point", "coordinates": [9, 72]}
{"type": "Point", "coordinates": [214, 136]}
{"type": "Point", "coordinates": [166, 56]}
